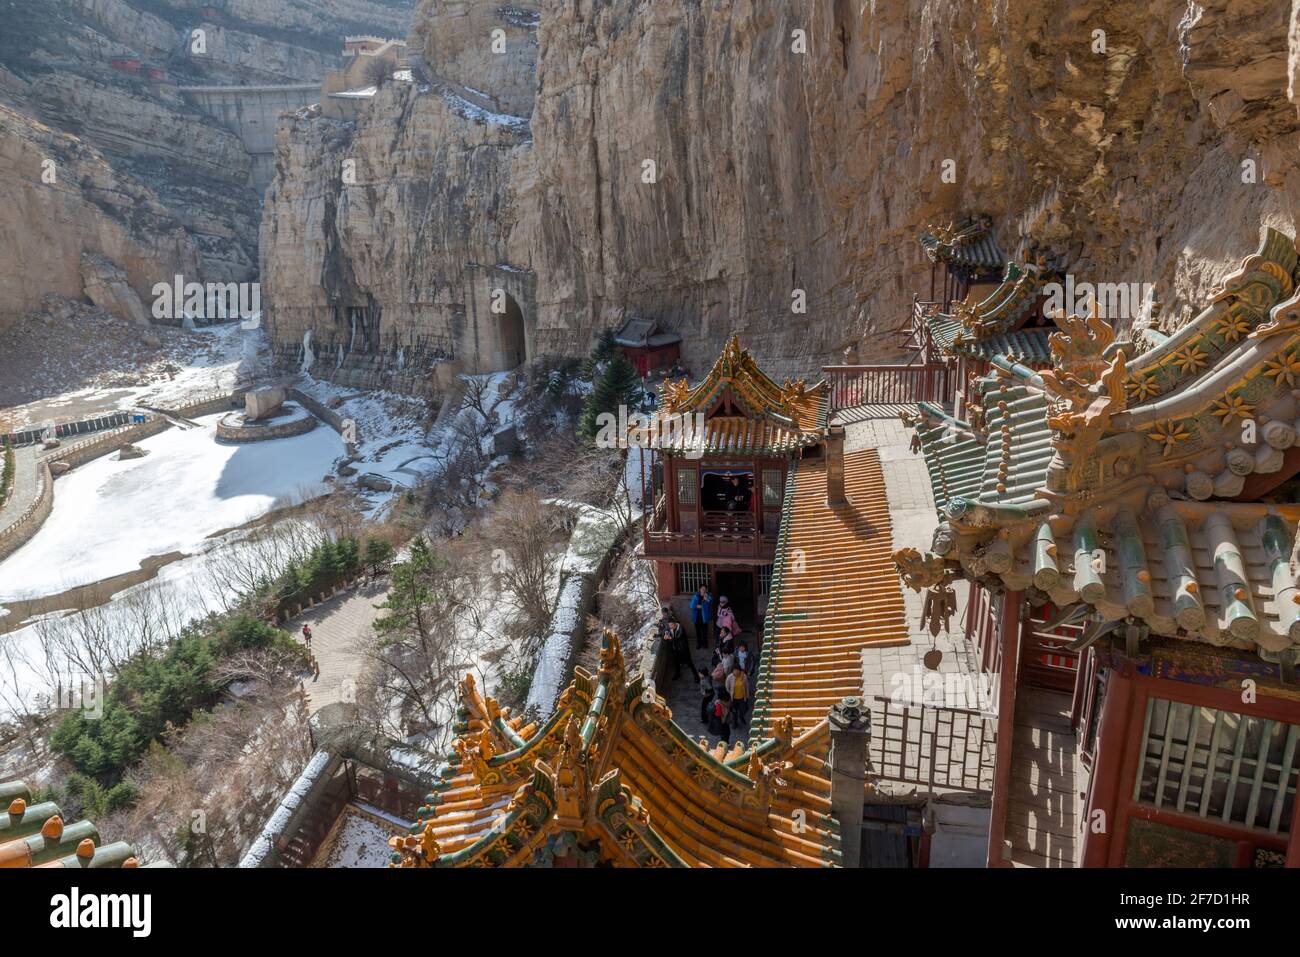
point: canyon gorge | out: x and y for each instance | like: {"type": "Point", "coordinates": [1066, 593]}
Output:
{"type": "Point", "coordinates": [550, 169]}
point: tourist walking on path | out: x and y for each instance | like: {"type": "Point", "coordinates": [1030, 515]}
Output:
{"type": "Point", "coordinates": [306, 636]}
{"type": "Point", "coordinates": [681, 649]}
{"type": "Point", "coordinates": [719, 717]}
{"type": "Point", "coordinates": [748, 662]}
{"type": "Point", "coordinates": [738, 689]}
{"type": "Point", "coordinates": [727, 617]}
{"type": "Point", "coordinates": [702, 615]}
{"type": "Point", "coordinates": [706, 694]}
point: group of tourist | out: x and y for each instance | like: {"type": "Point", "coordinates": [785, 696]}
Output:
{"type": "Point", "coordinates": [726, 685]}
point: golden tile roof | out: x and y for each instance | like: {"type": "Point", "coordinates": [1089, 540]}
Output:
{"type": "Point", "coordinates": [610, 778]}
{"type": "Point", "coordinates": [775, 418]}
{"type": "Point", "coordinates": [834, 592]}
{"type": "Point", "coordinates": [33, 834]}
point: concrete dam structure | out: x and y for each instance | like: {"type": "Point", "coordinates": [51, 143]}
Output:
{"type": "Point", "coordinates": [251, 113]}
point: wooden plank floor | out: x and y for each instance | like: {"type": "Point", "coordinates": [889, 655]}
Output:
{"type": "Point", "coordinates": [1042, 807]}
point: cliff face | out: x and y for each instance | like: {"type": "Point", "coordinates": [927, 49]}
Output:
{"type": "Point", "coordinates": [797, 149]}
{"type": "Point", "coordinates": [154, 186]}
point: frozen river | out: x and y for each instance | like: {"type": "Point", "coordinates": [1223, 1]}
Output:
{"type": "Point", "coordinates": [109, 515]}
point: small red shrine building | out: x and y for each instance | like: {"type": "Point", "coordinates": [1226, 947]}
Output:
{"type": "Point", "coordinates": [648, 346]}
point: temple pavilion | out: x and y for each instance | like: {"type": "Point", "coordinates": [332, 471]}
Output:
{"type": "Point", "coordinates": [988, 308]}
{"type": "Point", "coordinates": [1140, 500]}
{"type": "Point", "coordinates": [719, 484]}
{"type": "Point", "coordinates": [609, 778]}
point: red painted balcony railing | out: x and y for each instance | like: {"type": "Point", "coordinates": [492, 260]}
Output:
{"type": "Point", "coordinates": [889, 384]}
{"type": "Point", "coordinates": [724, 535]}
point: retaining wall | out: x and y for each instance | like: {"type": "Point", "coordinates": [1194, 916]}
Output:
{"type": "Point", "coordinates": [262, 433]}
{"type": "Point", "coordinates": [327, 415]}
{"type": "Point", "coordinates": [20, 530]}
{"type": "Point", "coordinates": [16, 534]}
{"type": "Point", "coordinates": [81, 452]}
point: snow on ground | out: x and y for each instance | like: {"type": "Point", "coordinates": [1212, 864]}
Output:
{"type": "Point", "coordinates": [594, 534]}
{"type": "Point", "coordinates": [472, 111]}
{"type": "Point", "coordinates": [636, 471]}
{"type": "Point", "coordinates": [360, 842]}
{"type": "Point", "coordinates": [391, 434]}
{"type": "Point", "coordinates": [217, 357]}
{"type": "Point", "coordinates": [109, 515]}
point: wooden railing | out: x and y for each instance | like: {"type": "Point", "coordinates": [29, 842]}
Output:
{"type": "Point", "coordinates": [1046, 661]}
{"type": "Point", "coordinates": [859, 385]}
{"type": "Point", "coordinates": [723, 535]}
{"type": "Point", "coordinates": [708, 544]}
{"type": "Point", "coordinates": [933, 746]}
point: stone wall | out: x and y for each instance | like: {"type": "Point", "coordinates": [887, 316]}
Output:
{"type": "Point", "coordinates": [232, 432]}
{"type": "Point", "coordinates": [780, 170]}
{"type": "Point", "coordinates": [328, 416]}
{"type": "Point", "coordinates": [252, 113]}
{"type": "Point", "coordinates": [79, 453]}
{"type": "Point", "coordinates": [20, 530]}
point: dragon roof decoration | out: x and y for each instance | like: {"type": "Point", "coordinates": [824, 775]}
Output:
{"type": "Point", "coordinates": [1082, 483]}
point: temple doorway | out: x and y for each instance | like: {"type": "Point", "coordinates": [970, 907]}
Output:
{"type": "Point", "coordinates": [738, 586]}
{"type": "Point", "coordinates": [514, 345]}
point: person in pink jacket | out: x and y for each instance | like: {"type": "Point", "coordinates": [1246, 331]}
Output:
{"type": "Point", "coordinates": [727, 617]}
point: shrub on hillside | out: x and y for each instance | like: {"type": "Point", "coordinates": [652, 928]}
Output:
{"type": "Point", "coordinates": [151, 694]}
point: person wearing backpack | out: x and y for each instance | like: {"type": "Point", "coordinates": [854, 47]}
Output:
{"type": "Point", "coordinates": [719, 674]}
{"type": "Point", "coordinates": [727, 617]}
{"type": "Point", "coordinates": [719, 717]}
{"type": "Point", "coordinates": [738, 691]}
{"type": "Point", "coordinates": [746, 660]}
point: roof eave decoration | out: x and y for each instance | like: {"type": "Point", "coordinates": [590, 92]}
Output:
{"type": "Point", "coordinates": [1107, 504]}
{"type": "Point", "coordinates": [780, 418]}
{"type": "Point", "coordinates": [582, 785]}
{"type": "Point", "coordinates": [968, 246]}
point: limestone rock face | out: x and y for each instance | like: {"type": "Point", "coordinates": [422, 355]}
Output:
{"type": "Point", "coordinates": [122, 167]}
{"type": "Point", "coordinates": [720, 164]}
{"type": "Point", "coordinates": [108, 287]}
{"type": "Point", "coordinates": [65, 201]}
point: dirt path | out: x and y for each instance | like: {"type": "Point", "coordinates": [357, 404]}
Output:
{"type": "Point", "coordinates": [341, 627]}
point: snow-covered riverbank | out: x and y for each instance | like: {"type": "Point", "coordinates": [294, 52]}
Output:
{"type": "Point", "coordinates": [109, 514]}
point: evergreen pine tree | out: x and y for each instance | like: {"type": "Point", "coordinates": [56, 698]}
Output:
{"type": "Point", "coordinates": [616, 384]}
{"type": "Point", "coordinates": [601, 354]}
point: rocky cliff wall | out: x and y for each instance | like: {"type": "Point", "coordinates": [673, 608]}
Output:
{"type": "Point", "coordinates": [797, 148]}
{"type": "Point", "coordinates": [144, 154]}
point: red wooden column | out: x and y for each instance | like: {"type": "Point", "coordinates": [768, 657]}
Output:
{"type": "Point", "coordinates": [1009, 644]}
{"type": "Point", "coordinates": [1107, 769]}
{"type": "Point", "coordinates": [1293, 847]}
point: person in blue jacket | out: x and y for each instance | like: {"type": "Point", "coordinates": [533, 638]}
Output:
{"type": "Point", "coordinates": [702, 615]}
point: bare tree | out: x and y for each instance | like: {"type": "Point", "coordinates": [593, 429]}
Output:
{"type": "Point", "coordinates": [378, 71]}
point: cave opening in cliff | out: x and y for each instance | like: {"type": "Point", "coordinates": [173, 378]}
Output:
{"type": "Point", "coordinates": [514, 345]}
